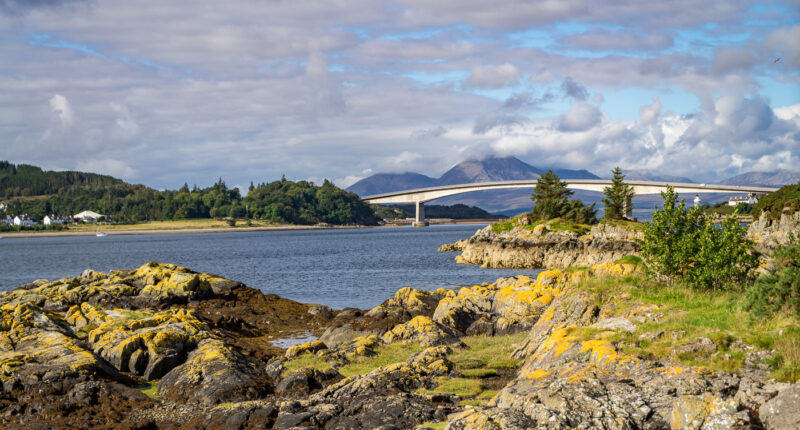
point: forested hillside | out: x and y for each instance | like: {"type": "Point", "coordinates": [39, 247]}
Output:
{"type": "Point", "coordinates": [283, 201]}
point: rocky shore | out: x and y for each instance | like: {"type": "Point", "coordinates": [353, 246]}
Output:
{"type": "Point", "coordinates": [768, 234]}
{"type": "Point", "coordinates": [531, 247]}
{"type": "Point", "coordinates": [165, 347]}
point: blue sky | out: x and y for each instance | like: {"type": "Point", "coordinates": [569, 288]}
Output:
{"type": "Point", "coordinates": [189, 91]}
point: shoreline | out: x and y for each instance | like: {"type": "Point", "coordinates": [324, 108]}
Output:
{"type": "Point", "coordinates": [132, 232]}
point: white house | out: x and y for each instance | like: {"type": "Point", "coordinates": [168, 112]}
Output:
{"type": "Point", "coordinates": [23, 220]}
{"type": "Point", "coordinates": [3, 206]}
{"type": "Point", "coordinates": [52, 219]}
{"type": "Point", "coordinates": [87, 216]}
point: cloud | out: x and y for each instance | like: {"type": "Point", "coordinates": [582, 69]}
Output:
{"type": "Point", "coordinates": [574, 89]}
{"type": "Point", "coordinates": [493, 76]}
{"type": "Point", "coordinates": [580, 117]}
{"type": "Point", "coordinates": [429, 132]}
{"type": "Point", "coordinates": [62, 109]}
{"type": "Point", "coordinates": [648, 114]}
{"type": "Point", "coordinates": [106, 166]}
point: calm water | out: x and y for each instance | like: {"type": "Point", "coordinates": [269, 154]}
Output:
{"type": "Point", "coordinates": [339, 268]}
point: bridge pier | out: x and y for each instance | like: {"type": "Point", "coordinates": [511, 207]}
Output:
{"type": "Point", "coordinates": [419, 220]}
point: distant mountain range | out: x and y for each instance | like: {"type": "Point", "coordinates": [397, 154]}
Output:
{"type": "Point", "coordinates": [777, 178]}
{"type": "Point", "coordinates": [510, 202]}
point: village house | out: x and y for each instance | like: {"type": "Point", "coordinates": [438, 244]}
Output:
{"type": "Point", "coordinates": [24, 220]}
{"type": "Point", "coordinates": [53, 219]}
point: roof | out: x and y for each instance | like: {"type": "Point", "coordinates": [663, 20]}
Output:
{"type": "Point", "coordinates": [85, 214]}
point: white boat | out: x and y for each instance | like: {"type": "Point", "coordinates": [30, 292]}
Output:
{"type": "Point", "coordinates": [101, 234]}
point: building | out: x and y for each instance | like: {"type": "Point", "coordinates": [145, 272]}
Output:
{"type": "Point", "coordinates": [87, 216]}
{"type": "Point", "coordinates": [750, 199]}
{"type": "Point", "coordinates": [3, 207]}
{"type": "Point", "coordinates": [53, 219]}
{"type": "Point", "coordinates": [6, 220]}
{"type": "Point", "coordinates": [24, 220]}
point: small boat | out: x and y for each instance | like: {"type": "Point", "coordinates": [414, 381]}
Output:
{"type": "Point", "coordinates": [101, 234]}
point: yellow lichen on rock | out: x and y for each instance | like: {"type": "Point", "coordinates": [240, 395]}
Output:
{"type": "Point", "coordinates": [559, 341]}
{"type": "Point", "coordinates": [423, 330]}
{"type": "Point", "coordinates": [305, 347]}
{"type": "Point", "coordinates": [602, 353]}
{"type": "Point", "coordinates": [537, 374]}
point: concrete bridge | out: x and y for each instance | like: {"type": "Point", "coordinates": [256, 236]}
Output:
{"type": "Point", "coordinates": [421, 195]}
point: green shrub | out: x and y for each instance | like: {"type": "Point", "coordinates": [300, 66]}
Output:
{"type": "Point", "coordinates": [682, 244]}
{"type": "Point", "coordinates": [780, 290]}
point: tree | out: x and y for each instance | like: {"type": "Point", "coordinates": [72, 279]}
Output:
{"type": "Point", "coordinates": [618, 196]}
{"type": "Point", "coordinates": [549, 197]}
{"type": "Point", "coordinates": [682, 244]}
{"type": "Point", "coordinates": [551, 200]}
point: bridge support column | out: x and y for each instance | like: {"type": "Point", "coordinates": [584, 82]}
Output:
{"type": "Point", "coordinates": [627, 210]}
{"type": "Point", "coordinates": [419, 220]}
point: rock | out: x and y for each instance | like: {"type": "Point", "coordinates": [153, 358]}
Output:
{"type": "Point", "coordinates": [617, 323]}
{"type": "Point", "coordinates": [652, 336]}
{"type": "Point", "coordinates": [215, 373]}
{"type": "Point", "coordinates": [768, 234]}
{"type": "Point", "coordinates": [783, 411]}
{"type": "Point", "coordinates": [362, 346]}
{"type": "Point", "coordinates": [305, 347]}
{"type": "Point", "coordinates": [701, 345]}
{"type": "Point", "coordinates": [408, 303]}
{"type": "Point", "coordinates": [540, 247]}
{"type": "Point", "coordinates": [696, 412]}
{"type": "Point", "coordinates": [453, 247]}
{"type": "Point", "coordinates": [164, 340]}
{"type": "Point", "coordinates": [301, 382]}
{"type": "Point", "coordinates": [424, 330]}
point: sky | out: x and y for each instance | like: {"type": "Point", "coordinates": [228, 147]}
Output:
{"type": "Point", "coordinates": [167, 92]}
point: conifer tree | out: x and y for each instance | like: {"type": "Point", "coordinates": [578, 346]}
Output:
{"type": "Point", "coordinates": [549, 197]}
{"type": "Point", "coordinates": [618, 196]}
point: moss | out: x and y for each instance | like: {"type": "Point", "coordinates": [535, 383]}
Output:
{"type": "Point", "coordinates": [149, 389]}
{"type": "Point", "coordinates": [486, 352]}
{"type": "Point", "coordinates": [305, 361]}
{"type": "Point", "coordinates": [462, 387]}
{"type": "Point", "coordinates": [433, 425]}
{"type": "Point", "coordinates": [385, 354]}
{"type": "Point", "coordinates": [479, 373]}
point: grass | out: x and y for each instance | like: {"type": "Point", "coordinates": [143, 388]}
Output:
{"type": "Point", "coordinates": [556, 224]}
{"type": "Point", "coordinates": [486, 352]}
{"type": "Point", "coordinates": [385, 354]}
{"type": "Point", "coordinates": [165, 225]}
{"type": "Point", "coordinates": [149, 389]}
{"type": "Point", "coordinates": [462, 387]}
{"type": "Point", "coordinates": [433, 425]}
{"type": "Point", "coordinates": [631, 259]}
{"type": "Point", "coordinates": [719, 316]}
{"type": "Point", "coordinates": [479, 373]}
{"type": "Point", "coordinates": [630, 225]}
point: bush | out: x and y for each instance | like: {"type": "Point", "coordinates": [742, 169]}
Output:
{"type": "Point", "coordinates": [231, 222]}
{"type": "Point", "coordinates": [780, 290]}
{"type": "Point", "coordinates": [681, 243]}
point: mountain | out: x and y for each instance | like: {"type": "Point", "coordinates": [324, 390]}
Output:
{"type": "Point", "coordinates": [388, 182]}
{"type": "Point", "coordinates": [645, 175]}
{"type": "Point", "coordinates": [489, 169]}
{"type": "Point", "coordinates": [778, 178]}
{"type": "Point", "coordinates": [575, 174]}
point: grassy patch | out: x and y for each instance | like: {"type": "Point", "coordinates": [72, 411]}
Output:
{"type": "Point", "coordinates": [149, 389]}
{"type": "Point", "coordinates": [561, 225]}
{"type": "Point", "coordinates": [787, 359]}
{"type": "Point", "coordinates": [433, 425]}
{"type": "Point", "coordinates": [385, 354]}
{"type": "Point", "coordinates": [303, 361]}
{"type": "Point", "coordinates": [226, 405]}
{"type": "Point", "coordinates": [462, 387]}
{"type": "Point", "coordinates": [631, 259]}
{"type": "Point", "coordinates": [135, 315]}
{"type": "Point", "coordinates": [630, 225]}
{"type": "Point", "coordinates": [688, 315]}
{"type": "Point", "coordinates": [479, 373]}
{"type": "Point", "coordinates": [486, 352]}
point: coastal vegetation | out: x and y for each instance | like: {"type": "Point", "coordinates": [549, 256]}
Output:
{"type": "Point", "coordinates": [551, 200]}
{"type": "Point", "coordinates": [786, 199]}
{"type": "Point", "coordinates": [279, 202]}
{"type": "Point", "coordinates": [618, 197]}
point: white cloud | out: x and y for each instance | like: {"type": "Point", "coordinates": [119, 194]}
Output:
{"type": "Point", "coordinates": [493, 76]}
{"type": "Point", "coordinates": [62, 109]}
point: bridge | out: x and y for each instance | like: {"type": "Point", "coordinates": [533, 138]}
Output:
{"type": "Point", "coordinates": [421, 195]}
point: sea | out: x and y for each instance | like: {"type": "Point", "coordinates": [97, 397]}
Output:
{"type": "Point", "coordinates": [339, 267]}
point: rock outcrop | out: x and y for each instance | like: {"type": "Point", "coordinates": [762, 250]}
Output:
{"type": "Point", "coordinates": [79, 353]}
{"type": "Point", "coordinates": [768, 234]}
{"type": "Point", "coordinates": [542, 247]}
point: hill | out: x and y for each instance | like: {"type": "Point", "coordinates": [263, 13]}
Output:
{"type": "Point", "coordinates": [644, 175]}
{"type": "Point", "coordinates": [775, 178]}
{"type": "Point", "coordinates": [24, 180]}
{"type": "Point", "coordinates": [388, 182]}
{"type": "Point", "coordinates": [489, 169]}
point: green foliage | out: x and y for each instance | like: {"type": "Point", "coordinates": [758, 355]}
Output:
{"type": "Point", "coordinates": [280, 202]}
{"type": "Point", "coordinates": [24, 180]}
{"type": "Point", "coordinates": [787, 198]}
{"type": "Point", "coordinates": [551, 200]}
{"type": "Point", "coordinates": [304, 203]}
{"type": "Point", "coordinates": [619, 196]}
{"type": "Point", "coordinates": [681, 243]}
{"type": "Point", "coordinates": [780, 290]}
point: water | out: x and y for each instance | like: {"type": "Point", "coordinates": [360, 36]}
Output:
{"type": "Point", "coordinates": [339, 268]}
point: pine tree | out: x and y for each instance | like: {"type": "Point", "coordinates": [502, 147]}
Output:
{"type": "Point", "coordinates": [618, 196]}
{"type": "Point", "coordinates": [549, 197]}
